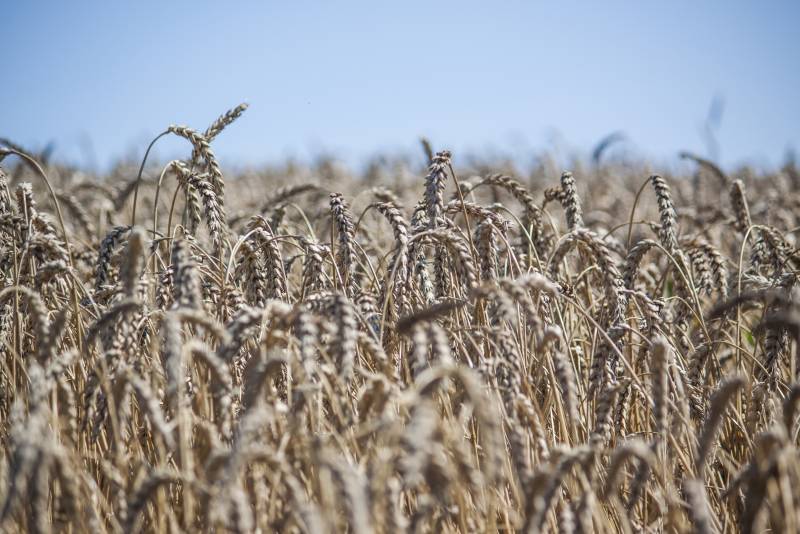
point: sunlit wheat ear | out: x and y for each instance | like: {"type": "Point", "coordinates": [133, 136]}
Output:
{"type": "Point", "coordinates": [502, 310]}
{"type": "Point", "coordinates": [433, 200]}
{"type": "Point", "coordinates": [267, 243]}
{"type": "Point", "coordinates": [107, 319]}
{"type": "Point", "coordinates": [565, 374]}
{"type": "Point", "coordinates": [398, 262]}
{"type": "Point", "coordinates": [173, 360]}
{"type": "Point", "coordinates": [486, 246]}
{"type": "Point", "coordinates": [36, 310]}
{"type": "Point", "coordinates": [419, 350]}
{"type": "Point", "coordinates": [760, 409]}
{"type": "Point", "coordinates": [533, 214]}
{"type": "Point", "coordinates": [43, 245]}
{"type": "Point", "coordinates": [164, 288]}
{"type": "Point", "coordinates": [458, 250]}
{"type": "Point", "coordinates": [633, 261]}
{"type": "Point", "coordinates": [552, 194]}
{"type": "Point", "coordinates": [374, 354]}
{"type": "Point", "coordinates": [51, 271]}
{"type": "Point", "coordinates": [307, 332]}
{"type": "Point", "coordinates": [42, 224]}
{"type": "Point", "coordinates": [194, 207]}
{"type": "Point", "coordinates": [507, 368]}
{"type": "Point", "coordinates": [457, 207]}
{"type": "Point", "coordinates": [668, 233]}
{"type": "Point", "coordinates": [442, 268]}
{"type": "Point", "coordinates": [417, 440]}
{"type": "Point", "coordinates": [604, 410]}
{"type": "Point", "coordinates": [314, 277]}
{"type": "Point", "coordinates": [5, 194]}
{"type": "Point", "coordinates": [213, 207]}
{"type": "Point", "coordinates": [605, 359]}
{"type": "Point", "coordinates": [418, 272]}
{"type": "Point", "coordinates": [613, 283]}
{"type": "Point", "coordinates": [246, 323]}
{"type": "Point", "coordinates": [186, 280]}
{"type": "Point", "coordinates": [201, 144]}
{"type": "Point", "coordinates": [434, 188]}
{"type": "Point", "coordinates": [776, 340]}
{"type": "Point", "coordinates": [710, 267]}
{"type": "Point", "coordinates": [26, 204]}
{"type": "Point", "coordinates": [250, 269]}
{"type": "Point", "coordinates": [571, 202]}
{"type": "Point", "coordinates": [770, 249]}
{"type": "Point", "coordinates": [345, 344]}
{"type": "Point", "coordinates": [346, 252]}
{"type": "Point", "coordinates": [660, 386]}
{"type": "Point", "coordinates": [520, 455]}
{"type": "Point", "coordinates": [741, 211]}
{"type": "Point", "coordinates": [519, 295]}
{"type": "Point", "coordinates": [224, 120]}
{"type": "Point", "coordinates": [367, 306]}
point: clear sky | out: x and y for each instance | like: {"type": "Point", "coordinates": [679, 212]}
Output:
{"type": "Point", "coordinates": [352, 78]}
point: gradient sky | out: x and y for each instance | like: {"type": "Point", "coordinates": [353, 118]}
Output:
{"type": "Point", "coordinates": [353, 78]}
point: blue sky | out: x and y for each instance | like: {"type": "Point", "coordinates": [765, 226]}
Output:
{"type": "Point", "coordinates": [353, 78]}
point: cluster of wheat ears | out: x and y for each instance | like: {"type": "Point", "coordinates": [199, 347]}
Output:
{"type": "Point", "coordinates": [611, 351]}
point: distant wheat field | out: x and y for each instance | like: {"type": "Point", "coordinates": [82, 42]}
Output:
{"type": "Point", "coordinates": [435, 347]}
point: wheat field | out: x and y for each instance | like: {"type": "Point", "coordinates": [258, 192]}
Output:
{"type": "Point", "coordinates": [440, 348]}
